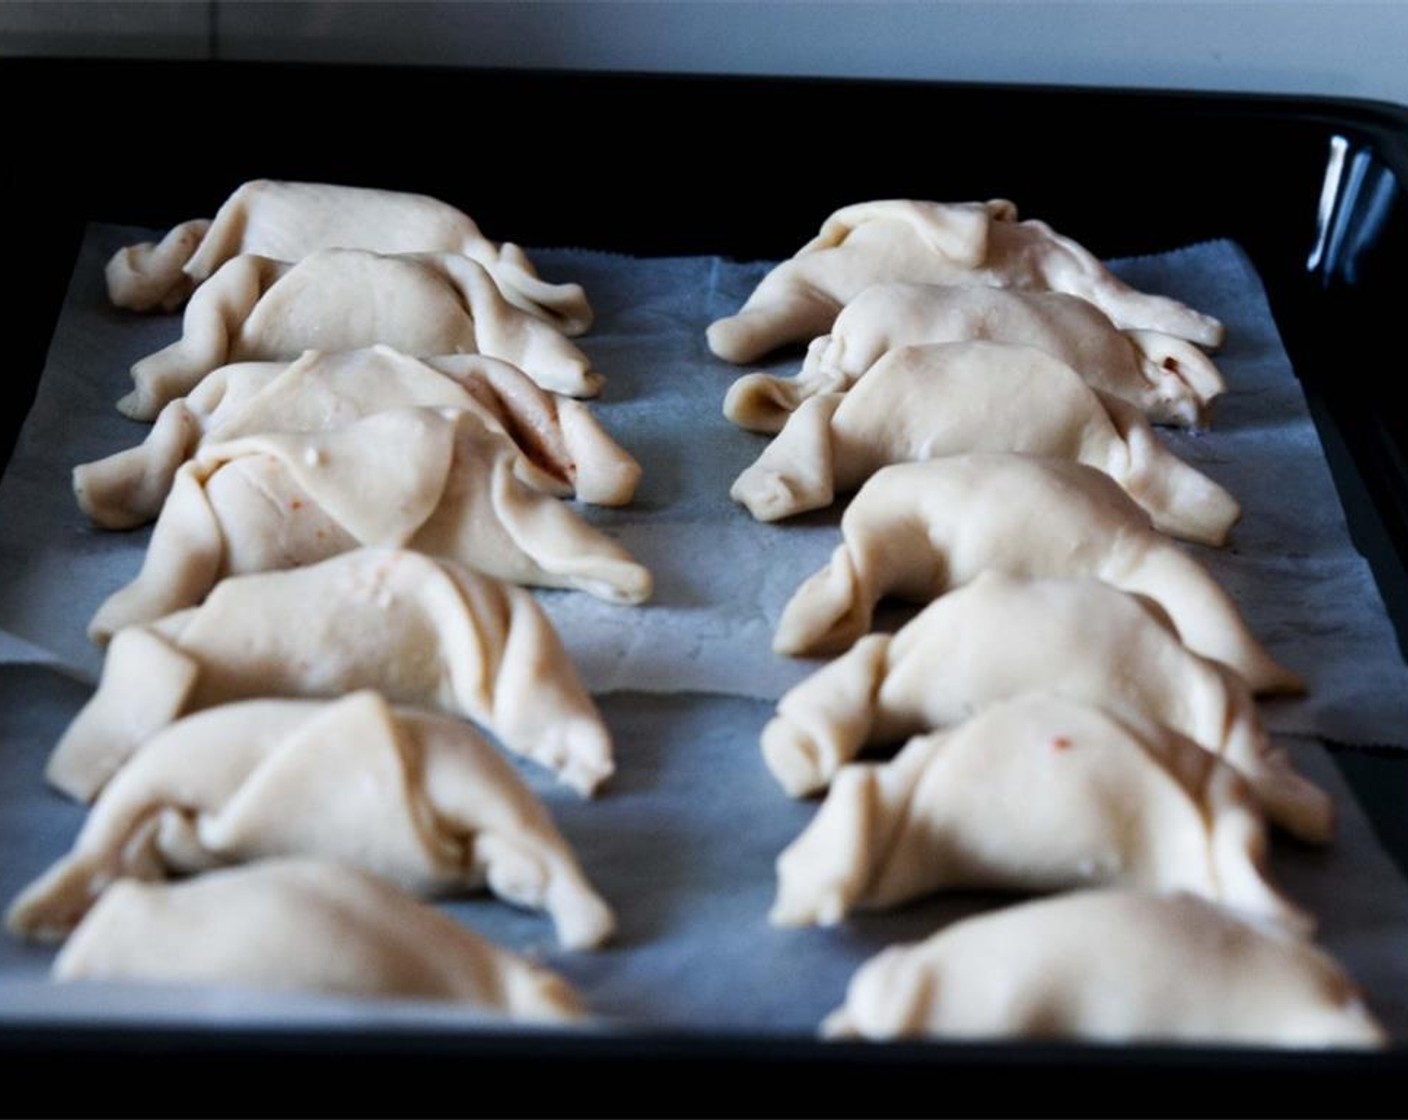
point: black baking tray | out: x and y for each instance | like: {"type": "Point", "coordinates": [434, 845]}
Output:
{"type": "Point", "coordinates": [1311, 188]}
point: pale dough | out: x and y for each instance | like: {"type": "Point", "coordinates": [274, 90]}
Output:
{"type": "Point", "coordinates": [916, 530]}
{"type": "Point", "coordinates": [305, 925]}
{"type": "Point", "coordinates": [933, 401]}
{"type": "Point", "coordinates": [1111, 966]}
{"type": "Point", "coordinates": [566, 451]}
{"type": "Point", "coordinates": [971, 243]}
{"type": "Point", "coordinates": [422, 631]}
{"type": "Point", "coordinates": [1037, 793]}
{"type": "Point", "coordinates": [425, 304]}
{"type": "Point", "coordinates": [439, 482]}
{"type": "Point", "coordinates": [1169, 380]}
{"type": "Point", "coordinates": [288, 221]}
{"type": "Point", "coordinates": [999, 637]}
{"type": "Point", "coordinates": [417, 798]}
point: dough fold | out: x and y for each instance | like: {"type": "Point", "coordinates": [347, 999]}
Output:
{"type": "Point", "coordinates": [567, 453]}
{"type": "Point", "coordinates": [424, 304]}
{"type": "Point", "coordinates": [1111, 966]}
{"type": "Point", "coordinates": [1038, 793]}
{"type": "Point", "coordinates": [999, 637]}
{"type": "Point", "coordinates": [422, 631]}
{"type": "Point", "coordinates": [1168, 379]}
{"type": "Point", "coordinates": [419, 799]}
{"type": "Point", "coordinates": [289, 221]}
{"type": "Point", "coordinates": [967, 243]}
{"type": "Point", "coordinates": [916, 530]}
{"type": "Point", "coordinates": [271, 925]}
{"type": "Point", "coordinates": [929, 402]}
{"type": "Point", "coordinates": [439, 482]}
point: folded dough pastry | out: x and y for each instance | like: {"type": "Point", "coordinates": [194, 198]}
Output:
{"type": "Point", "coordinates": [288, 221]}
{"type": "Point", "coordinates": [1113, 966]}
{"type": "Point", "coordinates": [305, 925]}
{"type": "Point", "coordinates": [566, 451]}
{"type": "Point", "coordinates": [1038, 793]}
{"type": "Point", "coordinates": [999, 637]}
{"type": "Point", "coordinates": [1169, 380]}
{"type": "Point", "coordinates": [260, 309]}
{"type": "Point", "coordinates": [440, 482]}
{"type": "Point", "coordinates": [969, 243]}
{"type": "Point", "coordinates": [422, 631]}
{"type": "Point", "coordinates": [420, 799]}
{"type": "Point", "coordinates": [916, 530]}
{"type": "Point", "coordinates": [928, 402]}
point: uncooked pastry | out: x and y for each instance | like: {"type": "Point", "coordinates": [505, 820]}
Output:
{"type": "Point", "coordinates": [916, 530]}
{"type": "Point", "coordinates": [567, 453]}
{"type": "Point", "coordinates": [422, 631]}
{"type": "Point", "coordinates": [999, 637]}
{"type": "Point", "coordinates": [305, 925]}
{"type": "Point", "coordinates": [1038, 793]}
{"type": "Point", "coordinates": [1113, 966]}
{"type": "Point", "coordinates": [929, 402]}
{"type": "Point", "coordinates": [288, 221]}
{"type": "Point", "coordinates": [425, 304]}
{"type": "Point", "coordinates": [442, 483]}
{"type": "Point", "coordinates": [934, 243]}
{"type": "Point", "coordinates": [1169, 380]}
{"type": "Point", "coordinates": [417, 798]}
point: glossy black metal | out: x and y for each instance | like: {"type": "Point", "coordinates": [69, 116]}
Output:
{"type": "Point", "coordinates": [1312, 188]}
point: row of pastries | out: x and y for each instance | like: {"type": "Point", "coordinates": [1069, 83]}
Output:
{"type": "Point", "coordinates": [359, 448]}
{"type": "Point", "coordinates": [356, 466]}
{"type": "Point", "coordinates": [1075, 705]}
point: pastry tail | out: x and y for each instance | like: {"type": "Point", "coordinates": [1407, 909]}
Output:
{"type": "Point", "coordinates": [525, 875]}
{"type": "Point", "coordinates": [1207, 619]}
{"type": "Point", "coordinates": [146, 276]}
{"type": "Point", "coordinates": [827, 720]}
{"type": "Point", "coordinates": [556, 725]}
{"type": "Point", "coordinates": [1181, 501]}
{"type": "Point", "coordinates": [563, 306]}
{"type": "Point", "coordinates": [1239, 853]}
{"type": "Point", "coordinates": [52, 906]}
{"type": "Point", "coordinates": [565, 548]}
{"type": "Point", "coordinates": [796, 471]}
{"type": "Point", "coordinates": [760, 402]}
{"type": "Point", "coordinates": [780, 311]}
{"type": "Point", "coordinates": [604, 474]}
{"type": "Point", "coordinates": [824, 872]}
{"type": "Point", "coordinates": [144, 687]}
{"type": "Point", "coordinates": [1292, 801]}
{"type": "Point", "coordinates": [183, 562]}
{"type": "Point", "coordinates": [217, 309]}
{"type": "Point", "coordinates": [829, 611]}
{"type": "Point", "coordinates": [1184, 381]}
{"type": "Point", "coordinates": [126, 490]}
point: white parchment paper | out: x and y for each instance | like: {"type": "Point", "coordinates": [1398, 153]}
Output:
{"type": "Point", "coordinates": [684, 839]}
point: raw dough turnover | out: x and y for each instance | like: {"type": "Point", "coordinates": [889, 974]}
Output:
{"type": "Point", "coordinates": [421, 631]}
{"type": "Point", "coordinates": [442, 483]}
{"type": "Point", "coordinates": [929, 402]}
{"type": "Point", "coordinates": [1038, 793]}
{"type": "Point", "coordinates": [566, 451]}
{"type": "Point", "coordinates": [417, 798]}
{"type": "Point", "coordinates": [916, 530]}
{"type": "Point", "coordinates": [272, 924]}
{"type": "Point", "coordinates": [1169, 380]}
{"type": "Point", "coordinates": [999, 637]}
{"type": "Point", "coordinates": [260, 309]}
{"type": "Point", "coordinates": [966, 243]}
{"type": "Point", "coordinates": [1112, 966]}
{"type": "Point", "coordinates": [289, 221]}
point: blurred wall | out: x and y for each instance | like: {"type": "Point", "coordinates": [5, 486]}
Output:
{"type": "Point", "coordinates": [1352, 48]}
